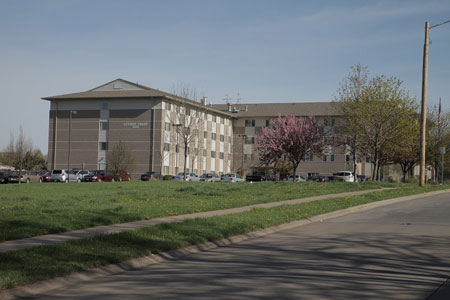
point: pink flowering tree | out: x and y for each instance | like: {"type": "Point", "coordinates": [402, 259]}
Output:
{"type": "Point", "coordinates": [290, 139]}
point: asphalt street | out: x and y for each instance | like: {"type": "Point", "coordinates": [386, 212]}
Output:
{"type": "Point", "coordinates": [400, 251]}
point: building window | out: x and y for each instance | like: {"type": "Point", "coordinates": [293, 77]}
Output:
{"type": "Point", "coordinates": [333, 122]}
{"type": "Point", "coordinates": [222, 121]}
{"type": "Point", "coordinates": [205, 134]}
{"type": "Point", "coordinates": [325, 122]}
{"type": "Point", "coordinates": [328, 158]}
{"type": "Point", "coordinates": [204, 153]}
{"type": "Point", "coordinates": [177, 148]}
{"type": "Point", "coordinates": [214, 118]}
{"type": "Point", "coordinates": [105, 106]}
{"type": "Point", "coordinates": [166, 147]}
{"type": "Point", "coordinates": [103, 146]}
{"type": "Point", "coordinates": [221, 155]}
{"type": "Point", "coordinates": [267, 123]}
{"type": "Point", "coordinates": [166, 170]}
{"type": "Point", "coordinates": [249, 123]}
{"type": "Point", "coordinates": [308, 157]}
{"type": "Point", "coordinates": [249, 139]}
{"type": "Point", "coordinates": [213, 154]}
{"type": "Point", "coordinates": [222, 138]}
{"type": "Point", "coordinates": [104, 125]}
{"type": "Point", "coordinates": [167, 126]}
{"type": "Point", "coordinates": [213, 136]}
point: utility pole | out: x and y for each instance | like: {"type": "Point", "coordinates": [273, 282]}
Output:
{"type": "Point", "coordinates": [423, 112]}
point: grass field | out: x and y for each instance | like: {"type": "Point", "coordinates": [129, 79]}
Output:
{"type": "Point", "coordinates": [28, 210]}
{"type": "Point", "coordinates": [43, 262]}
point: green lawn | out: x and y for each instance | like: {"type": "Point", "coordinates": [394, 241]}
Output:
{"type": "Point", "coordinates": [43, 262]}
{"type": "Point", "coordinates": [28, 210]}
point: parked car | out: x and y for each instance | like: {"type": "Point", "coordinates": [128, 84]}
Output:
{"type": "Point", "coordinates": [361, 178]}
{"type": "Point", "coordinates": [119, 177]}
{"type": "Point", "coordinates": [24, 177]}
{"type": "Point", "coordinates": [102, 175]}
{"type": "Point", "coordinates": [59, 176]}
{"type": "Point", "coordinates": [31, 176]}
{"type": "Point", "coordinates": [151, 176]}
{"type": "Point", "coordinates": [232, 177]}
{"type": "Point", "coordinates": [45, 176]}
{"type": "Point", "coordinates": [96, 176]}
{"type": "Point", "coordinates": [345, 176]}
{"type": "Point", "coordinates": [77, 175]}
{"type": "Point", "coordinates": [4, 177]}
{"type": "Point", "coordinates": [256, 177]}
{"type": "Point", "coordinates": [189, 177]}
{"type": "Point", "coordinates": [210, 177]}
{"type": "Point", "coordinates": [296, 178]}
{"type": "Point", "coordinates": [317, 178]}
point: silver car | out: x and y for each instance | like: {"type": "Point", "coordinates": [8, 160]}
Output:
{"type": "Point", "coordinates": [210, 177]}
{"type": "Point", "coordinates": [59, 175]}
{"type": "Point", "coordinates": [77, 175]}
{"type": "Point", "coordinates": [189, 177]}
{"type": "Point", "coordinates": [231, 177]}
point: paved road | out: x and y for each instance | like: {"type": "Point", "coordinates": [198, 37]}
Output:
{"type": "Point", "coordinates": [399, 251]}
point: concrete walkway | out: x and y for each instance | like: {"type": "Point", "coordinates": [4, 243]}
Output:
{"type": "Point", "coordinates": [50, 239]}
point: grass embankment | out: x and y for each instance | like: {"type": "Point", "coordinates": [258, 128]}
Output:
{"type": "Point", "coordinates": [43, 262]}
{"type": "Point", "coordinates": [29, 210]}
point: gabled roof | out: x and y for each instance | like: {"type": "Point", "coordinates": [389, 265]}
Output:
{"type": "Point", "coordinates": [123, 89]}
{"type": "Point", "coordinates": [274, 109]}
{"type": "Point", "coordinates": [118, 88]}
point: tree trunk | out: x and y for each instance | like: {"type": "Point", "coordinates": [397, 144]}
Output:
{"type": "Point", "coordinates": [185, 161]}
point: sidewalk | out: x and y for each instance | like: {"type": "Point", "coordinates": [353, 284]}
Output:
{"type": "Point", "coordinates": [50, 239]}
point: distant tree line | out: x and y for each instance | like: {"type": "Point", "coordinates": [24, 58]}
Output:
{"type": "Point", "coordinates": [20, 154]}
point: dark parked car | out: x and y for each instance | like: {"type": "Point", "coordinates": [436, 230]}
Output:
{"type": "Point", "coordinates": [102, 175]}
{"type": "Point", "coordinates": [151, 176]}
{"type": "Point", "coordinates": [45, 176]}
{"type": "Point", "coordinates": [256, 177]}
{"type": "Point", "coordinates": [4, 177]}
{"type": "Point", "coordinates": [96, 176]}
{"type": "Point", "coordinates": [317, 178]}
{"type": "Point", "coordinates": [361, 178]}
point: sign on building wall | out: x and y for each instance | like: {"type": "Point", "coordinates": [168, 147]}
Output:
{"type": "Point", "coordinates": [136, 125]}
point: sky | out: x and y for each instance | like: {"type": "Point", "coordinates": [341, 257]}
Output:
{"type": "Point", "coordinates": [255, 50]}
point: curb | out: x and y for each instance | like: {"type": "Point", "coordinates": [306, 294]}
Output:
{"type": "Point", "coordinates": [91, 274]}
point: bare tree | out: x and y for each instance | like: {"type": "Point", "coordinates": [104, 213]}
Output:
{"type": "Point", "coordinates": [120, 158]}
{"type": "Point", "coordinates": [18, 152]}
{"type": "Point", "coordinates": [188, 122]}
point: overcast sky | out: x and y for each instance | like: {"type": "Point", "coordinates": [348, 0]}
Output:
{"type": "Point", "coordinates": [267, 51]}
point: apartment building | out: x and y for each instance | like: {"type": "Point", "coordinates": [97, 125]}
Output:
{"type": "Point", "coordinates": [84, 126]}
{"type": "Point", "coordinates": [249, 119]}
